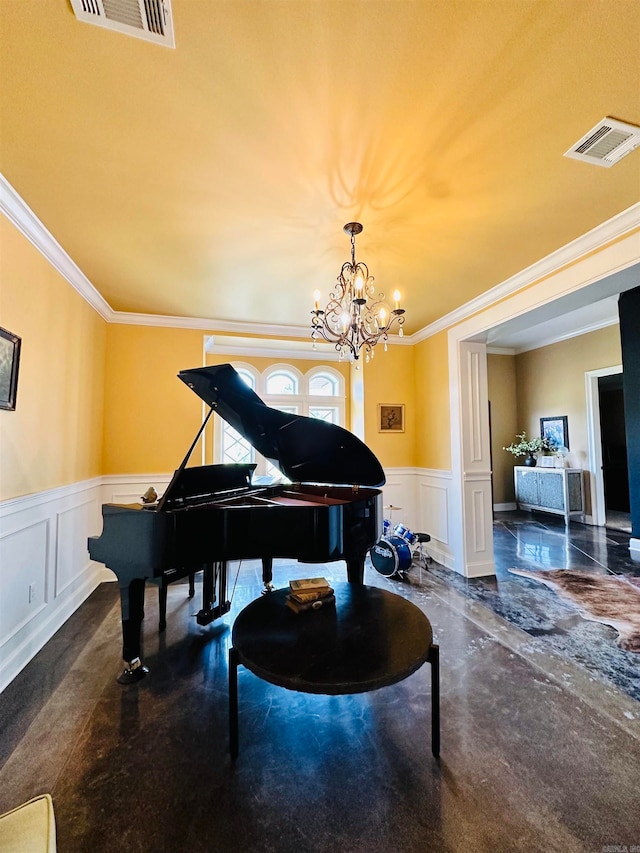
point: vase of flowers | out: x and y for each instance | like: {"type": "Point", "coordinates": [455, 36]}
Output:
{"type": "Point", "coordinates": [527, 447]}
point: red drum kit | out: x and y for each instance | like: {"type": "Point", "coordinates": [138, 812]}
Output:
{"type": "Point", "coordinates": [394, 552]}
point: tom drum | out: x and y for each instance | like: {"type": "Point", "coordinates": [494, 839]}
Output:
{"type": "Point", "coordinates": [403, 532]}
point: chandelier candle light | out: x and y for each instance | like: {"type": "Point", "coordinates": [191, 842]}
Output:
{"type": "Point", "coordinates": [356, 317]}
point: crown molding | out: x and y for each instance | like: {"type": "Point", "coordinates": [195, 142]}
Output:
{"type": "Point", "coordinates": [501, 350]}
{"type": "Point", "coordinates": [255, 330]}
{"type": "Point", "coordinates": [613, 229]}
{"type": "Point", "coordinates": [20, 214]}
{"type": "Point", "coordinates": [208, 324]}
{"type": "Point", "coordinates": [574, 333]}
{"type": "Point", "coordinates": [554, 339]}
{"type": "Point", "coordinates": [279, 349]}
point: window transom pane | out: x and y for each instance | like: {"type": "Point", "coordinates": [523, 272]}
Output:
{"type": "Point", "coordinates": [323, 385]}
{"type": "Point", "coordinates": [282, 383]}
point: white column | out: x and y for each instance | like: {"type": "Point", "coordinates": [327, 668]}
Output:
{"type": "Point", "coordinates": [471, 510]}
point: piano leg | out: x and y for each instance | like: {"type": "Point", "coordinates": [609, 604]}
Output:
{"type": "Point", "coordinates": [132, 608]}
{"type": "Point", "coordinates": [162, 605]}
{"type": "Point", "coordinates": [355, 568]}
{"type": "Point", "coordinates": [267, 574]}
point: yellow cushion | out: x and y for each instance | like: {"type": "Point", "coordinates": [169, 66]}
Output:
{"type": "Point", "coordinates": [30, 828]}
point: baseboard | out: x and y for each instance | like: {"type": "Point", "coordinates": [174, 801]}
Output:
{"type": "Point", "coordinates": [444, 558]}
{"type": "Point", "coordinates": [51, 622]}
{"type": "Point", "coordinates": [508, 507]}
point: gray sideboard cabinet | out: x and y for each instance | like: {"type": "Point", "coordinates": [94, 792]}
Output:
{"type": "Point", "coordinates": [557, 490]}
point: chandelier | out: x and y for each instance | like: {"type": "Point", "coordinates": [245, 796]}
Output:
{"type": "Point", "coordinates": [356, 317]}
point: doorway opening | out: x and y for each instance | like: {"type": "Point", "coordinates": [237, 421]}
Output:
{"type": "Point", "coordinates": [615, 473]}
{"type": "Point", "coordinates": [607, 449]}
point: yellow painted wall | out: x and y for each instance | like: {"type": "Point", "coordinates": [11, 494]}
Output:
{"type": "Point", "coordinates": [433, 423]}
{"type": "Point", "coordinates": [151, 417]}
{"type": "Point", "coordinates": [551, 382]}
{"type": "Point", "coordinates": [389, 379]}
{"type": "Point", "coordinates": [55, 435]}
{"type": "Point", "coordinates": [501, 378]}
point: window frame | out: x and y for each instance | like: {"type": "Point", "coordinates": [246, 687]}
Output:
{"type": "Point", "coordinates": [303, 401]}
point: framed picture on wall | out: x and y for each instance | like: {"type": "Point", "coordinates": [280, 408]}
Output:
{"type": "Point", "coordinates": [390, 417]}
{"type": "Point", "coordinates": [556, 430]}
{"type": "Point", "coordinates": [9, 363]}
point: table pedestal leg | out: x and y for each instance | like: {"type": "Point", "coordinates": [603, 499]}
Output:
{"type": "Point", "coordinates": [233, 702]}
{"type": "Point", "coordinates": [434, 660]}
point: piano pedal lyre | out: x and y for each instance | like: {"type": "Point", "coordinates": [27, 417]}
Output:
{"type": "Point", "coordinates": [208, 615]}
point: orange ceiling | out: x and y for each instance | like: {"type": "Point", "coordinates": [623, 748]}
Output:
{"type": "Point", "coordinates": [213, 180]}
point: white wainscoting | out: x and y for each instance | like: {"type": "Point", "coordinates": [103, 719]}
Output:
{"type": "Point", "coordinates": [424, 497]}
{"type": "Point", "coordinates": [46, 573]}
{"type": "Point", "coordinates": [128, 488]}
{"type": "Point", "coordinates": [45, 570]}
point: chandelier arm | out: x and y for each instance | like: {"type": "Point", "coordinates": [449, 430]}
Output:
{"type": "Point", "coordinates": [351, 320]}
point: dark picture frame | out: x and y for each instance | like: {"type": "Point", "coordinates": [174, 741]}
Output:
{"type": "Point", "coordinates": [9, 364]}
{"type": "Point", "coordinates": [556, 429]}
{"type": "Point", "coordinates": [390, 417]}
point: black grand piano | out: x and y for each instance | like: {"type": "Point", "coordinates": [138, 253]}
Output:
{"type": "Point", "coordinates": [210, 514]}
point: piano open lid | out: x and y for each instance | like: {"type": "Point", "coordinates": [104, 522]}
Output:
{"type": "Point", "coordinates": [306, 450]}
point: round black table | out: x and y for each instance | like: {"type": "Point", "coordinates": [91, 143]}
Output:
{"type": "Point", "coordinates": [369, 639]}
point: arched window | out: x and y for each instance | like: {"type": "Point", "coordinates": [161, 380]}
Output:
{"type": "Point", "coordinates": [323, 385]}
{"type": "Point", "coordinates": [281, 382]}
{"type": "Point", "coordinates": [248, 377]}
{"type": "Point", "coordinates": [317, 394]}
{"type": "Point", "coordinates": [326, 398]}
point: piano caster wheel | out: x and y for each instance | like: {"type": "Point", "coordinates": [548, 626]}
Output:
{"type": "Point", "coordinates": [133, 673]}
{"type": "Point", "coordinates": [268, 587]}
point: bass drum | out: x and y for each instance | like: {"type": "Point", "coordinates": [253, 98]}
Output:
{"type": "Point", "coordinates": [391, 555]}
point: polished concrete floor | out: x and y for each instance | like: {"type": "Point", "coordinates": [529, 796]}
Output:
{"type": "Point", "coordinates": [540, 541]}
{"type": "Point", "coordinates": [538, 754]}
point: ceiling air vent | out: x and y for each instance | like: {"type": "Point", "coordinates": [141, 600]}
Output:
{"type": "Point", "coordinates": [606, 143]}
{"type": "Point", "coordinates": [145, 19]}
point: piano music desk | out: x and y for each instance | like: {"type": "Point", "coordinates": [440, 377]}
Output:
{"type": "Point", "coordinates": [370, 639]}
